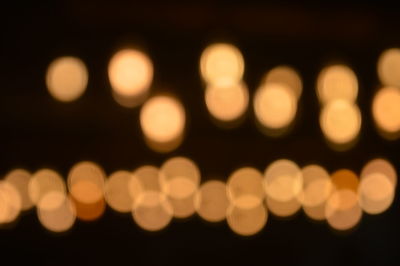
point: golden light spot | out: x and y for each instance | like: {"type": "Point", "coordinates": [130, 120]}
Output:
{"type": "Point", "coordinates": [152, 211]}
{"type": "Point", "coordinates": [380, 166]}
{"type": "Point", "coordinates": [227, 103]}
{"type": "Point", "coordinates": [86, 181]}
{"type": "Point", "coordinates": [146, 178]}
{"type": "Point", "coordinates": [342, 209]}
{"type": "Point", "coordinates": [316, 213]}
{"type": "Point", "coordinates": [244, 187]}
{"type": "Point", "coordinates": [275, 106]}
{"type": "Point", "coordinates": [66, 78]}
{"type": "Point", "coordinates": [89, 211]}
{"type": "Point", "coordinates": [317, 186]}
{"type": "Point", "coordinates": [386, 110]}
{"type": "Point", "coordinates": [287, 76]}
{"type": "Point", "coordinates": [221, 64]}
{"type": "Point", "coordinates": [130, 73]}
{"type": "Point", "coordinates": [117, 191]}
{"type": "Point", "coordinates": [10, 202]}
{"type": "Point", "coordinates": [247, 222]}
{"type": "Point", "coordinates": [58, 217]}
{"type": "Point", "coordinates": [212, 201]}
{"type": "Point", "coordinates": [283, 208]}
{"type": "Point", "coordinates": [182, 208]}
{"type": "Point", "coordinates": [20, 178]}
{"type": "Point", "coordinates": [345, 179]}
{"type": "Point", "coordinates": [340, 121]}
{"type": "Point", "coordinates": [43, 182]}
{"type": "Point", "coordinates": [389, 67]}
{"type": "Point", "coordinates": [337, 82]}
{"type": "Point", "coordinates": [162, 119]}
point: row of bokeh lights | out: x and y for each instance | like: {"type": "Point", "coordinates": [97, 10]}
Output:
{"type": "Point", "coordinates": [226, 96]}
{"type": "Point", "coordinates": [154, 196]}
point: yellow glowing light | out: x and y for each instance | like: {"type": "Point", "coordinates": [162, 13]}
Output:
{"type": "Point", "coordinates": [340, 121]}
{"type": "Point", "coordinates": [337, 82]}
{"type": "Point", "coordinates": [286, 76]}
{"type": "Point", "coordinates": [345, 179]}
{"type": "Point", "coordinates": [244, 188]}
{"type": "Point", "coordinates": [317, 186]}
{"type": "Point", "coordinates": [20, 178]}
{"type": "Point", "coordinates": [146, 178]}
{"type": "Point", "coordinates": [43, 182]}
{"type": "Point", "coordinates": [221, 64]}
{"type": "Point", "coordinates": [380, 166]}
{"type": "Point", "coordinates": [89, 211]}
{"type": "Point", "coordinates": [117, 191]}
{"type": "Point", "coordinates": [66, 78]}
{"type": "Point", "coordinates": [131, 73]}
{"type": "Point", "coordinates": [389, 67]}
{"type": "Point", "coordinates": [275, 105]}
{"type": "Point", "coordinates": [212, 201]}
{"type": "Point", "coordinates": [386, 109]}
{"type": "Point", "coordinates": [227, 103]}
{"type": "Point", "coordinates": [283, 208]}
{"type": "Point", "coordinates": [162, 119]}
{"type": "Point", "coordinates": [247, 221]}
{"type": "Point", "coordinates": [10, 202]}
{"type": "Point", "coordinates": [61, 214]}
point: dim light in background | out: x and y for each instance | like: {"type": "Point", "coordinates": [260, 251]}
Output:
{"type": "Point", "coordinates": [10, 202]}
{"type": "Point", "coordinates": [117, 193]}
{"type": "Point", "coordinates": [386, 111]}
{"type": "Point", "coordinates": [211, 201]}
{"type": "Point", "coordinates": [286, 76]}
{"type": "Point", "coordinates": [66, 78]}
{"type": "Point", "coordinates": [248, 221]}
{"type": "Point", "coordinates": [389, 67]}
{"type": "Point", "coordinates": [20, 178]}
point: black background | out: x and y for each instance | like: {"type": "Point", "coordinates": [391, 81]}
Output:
{"type": "Point", "coordinates": [36, 131]}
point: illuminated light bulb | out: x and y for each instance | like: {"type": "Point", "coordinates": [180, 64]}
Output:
{"type": "Point", "coordinates": [287, 76]}
{"type": "Point", "coordinates": [337, 82]}
{"type": "Point", "coordinates": [247, 222]}
{"type": "Point", "coordinates": [130, 73]}
{"type": "Point", "coordinates": [340, 122]}
{"type": "Point", "coordinates": [244, 187]}
{"type": "Point", "coordinates": [342, 210]}
{"type": "Point", "coordinates": [117, 193]}
{"type": "Point", "coordinates": [20, 178]}
{"type": "Point", "coordinates": [389, 67]}
{"type": "Point", "coordinates": [345, 179]}
{"type": "Point", "coordinates": [43, 182]}
{"type": "Point", "coordinates": [162, 119]}
{"type": "Point", "coordinates": [275, 107]}
{"type": "Point", "coordinates": [211, 201]}
{"type": "Point", "coordinates": [66, 78]}
{"type": "Point", "coordinates": [227, 104]}
{"type": "Point", "coordinates": [386, 111]}
{"type": "Point", "coordinates": [10, 202]}
{"type": "Point", "coordinates": [56, 212]}
{"type": "Point", "coordinates": [221, 64]}
{"type": "Point", "coordinates": [380, 166]}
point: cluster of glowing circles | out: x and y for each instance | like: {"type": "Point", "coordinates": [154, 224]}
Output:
{"type": "Point", "coordinates": [340, 117]}
{"type": "Point", "coordinates": [153, 196]}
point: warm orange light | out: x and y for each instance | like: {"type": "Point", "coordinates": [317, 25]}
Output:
{"type": "Point", "coordinates": [345, 179]}
{"type": "Point", "coordinates": [146, 178]}
{"type": "Point", "coordinates": [20, 178]}
{"type": "Point", "coordinates": [247, 222]}
{"type": "Point", "coordinates": [381, 166]}
{"type": "Point", "coordinates": [386, 110]}
{"type": "Point", "coordinates": [117, 191]}
{"type": "Point", "coordinates": [212, 201]}
{"type": "Point", "coordinates": [389, 67]}
{"type": "Point", "coordinates": [10, 202]}
{"type": "Point", "coordinates": [286, 76]}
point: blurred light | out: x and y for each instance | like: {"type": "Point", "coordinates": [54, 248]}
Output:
{"type": "Point", "coordinates": [146, 178]}
{"type": "Point", "coordinates": [283, 208]}
{"type": "Point", "coordinates": [117, 191]}
{"type": "Point", "coordinates": [340, 122]}
{"type": "Point", "coordinates": [227, 103]}
{"type": "Point", "coordinates": [10, 202]}
{"type": "Point", "coordinates": [381, 166]}
{"type": "Point", "coordinates": [58, 213]}
{"type": "Point", "coordinates": [286, 76]}
{"type": "Point", "coordinates": [130, 73]}
{"type": "Point", "coordinates": [389, 67]}
{"type": "Point", "coordinates": [386, 111]}
{"type": "Point", "coordinates": [337, 82]}
{"type": "Point", "coordinates": [162, 119]}
{"type": "Point", "coordinates": [88, 211]}
{"type": "Point", "coordinates": [244, 187]}
{"type": "Point", "coordinates": [66, 78]}
{"type": "Point", "coordinates": [342, 209]}
{"type": "Point", "coordinates": [275, 106]}
{"type": "Point", "coordinates": [212, 201]}
{"type": "Point", "coordinates": [43, 182]}
{"type": "Point", "coordinates": [345, 179]}
{"type": "Point", "coordinates": [221, 64]}
{"type": "Point", "coordinates": [20, 178]}
{"type": "Point", "coordinates": [247, 221]}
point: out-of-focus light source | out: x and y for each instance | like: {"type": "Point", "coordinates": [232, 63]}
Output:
{"type": "Point", "coordinates": [10, 202]}
{"type": "Point", "coordinates": [162, 119]}
{"type": "Point", "coordinates": [337, 82]}
{"type": "Point", "coordinates": [130, 73]}
{"type": "Point", "coordinates": [221, 64]}
{"type": "Point", "coordinates": [66, 78]}
{"type": "Point", "coordinates": [227, 103]}
{"type": "Point", "coordinates": [382, 166]}
{"type": "Point", "coordinates": [275, 107]}
{"type": "Point", "coordinates": [287, 76]}
{"type": "Point", "coordinates": [345, 179]}
{"type": "Point", "coordinates": [248, 221]}
{"type": "Point", "coordinates": [211, 201]}
{"type": "Point", "coordinates": [20, 178]}
{"type": "Point", "coordinates": [386, 111]}
{"type": "Point", "coordinates": [117, 191]}
{"type": "Point", "coordinates": [340, 122]}
{"type": "Point", "coordinates": [389, 67]}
